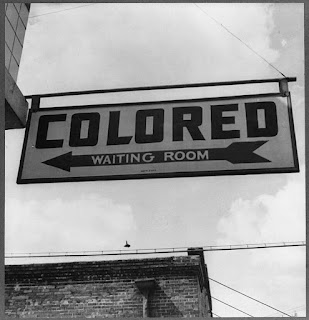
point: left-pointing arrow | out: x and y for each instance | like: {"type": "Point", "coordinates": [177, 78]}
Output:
{"type": "Point", "coordinates": [66, 161]}
{"type": "Point", "coordinates": [237, 152]}
{"type": "Point", "coordinates": [62, 162]}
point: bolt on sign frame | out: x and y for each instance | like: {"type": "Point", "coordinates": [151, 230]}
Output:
{"type": "Point", "coordinates": [229, 135]}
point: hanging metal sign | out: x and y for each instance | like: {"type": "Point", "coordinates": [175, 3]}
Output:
{"type": "Point", "coordinates": [200, 137]}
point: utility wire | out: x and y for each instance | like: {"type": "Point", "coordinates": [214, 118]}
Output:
{"type": "Point", "coordinates": [212, 297]}
{"type": "Point", "coordinates": [290, 309]}
{"type": "Point", "coordinates": [238, 39]}
{"type": "Point", "coordinates": [44, 14]}
{"type": "Point", "coordinates": [265, 304]}
{"type": "Point", "coordinates": [154, 251]}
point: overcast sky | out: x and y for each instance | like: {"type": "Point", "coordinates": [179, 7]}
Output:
{"type": "Point", "coordinates": [100, 46]}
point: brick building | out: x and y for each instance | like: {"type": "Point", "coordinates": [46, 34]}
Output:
{"type": "Point", "coordinates": [155, 287]}
{"type": "Point", "coordinates": [16, 106]}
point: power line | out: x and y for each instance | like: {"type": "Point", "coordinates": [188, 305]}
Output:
{"type": "Point", "coordinates": [212, 297]}
{"type": "Point", "coordinates": [154, 251]}
{"type": "Point", "coordinates": [223, 26]}
{"type": "Point", "coordinates": [290, 309]}
{"type": "Point", "coordinates": [249, 297]}
{"type": "Point", "coordinates": [216, 315]}
{"type": "Point", "coordinates": [44, 14]}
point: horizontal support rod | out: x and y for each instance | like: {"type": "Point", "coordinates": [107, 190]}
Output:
{"type": "Point", "coordinates": [162, 87]}
{"type": "Point", "coordinates": [157, 251]}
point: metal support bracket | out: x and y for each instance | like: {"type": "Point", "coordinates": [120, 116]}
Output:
{"type": "Point", "coordinates": [284, 87]}
{"type": "Point", "coordinates": [35, 103]}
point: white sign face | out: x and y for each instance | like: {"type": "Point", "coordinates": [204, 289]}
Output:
{"type": "Point", "coordinates": [241, 135]}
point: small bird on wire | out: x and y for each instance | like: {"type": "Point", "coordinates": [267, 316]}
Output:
{"type": "Point", "coordinates": [127, 245]}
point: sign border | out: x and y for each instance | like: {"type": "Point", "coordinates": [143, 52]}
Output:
{"type": "Point", "coordinates": [294, 169]}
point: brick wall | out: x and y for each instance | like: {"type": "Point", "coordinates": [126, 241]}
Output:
{"type": "Point", "coordinates": [105, 288]}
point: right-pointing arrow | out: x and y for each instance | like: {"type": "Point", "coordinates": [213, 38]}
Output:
{"type": "Point", "coordinates": [239, 152]}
